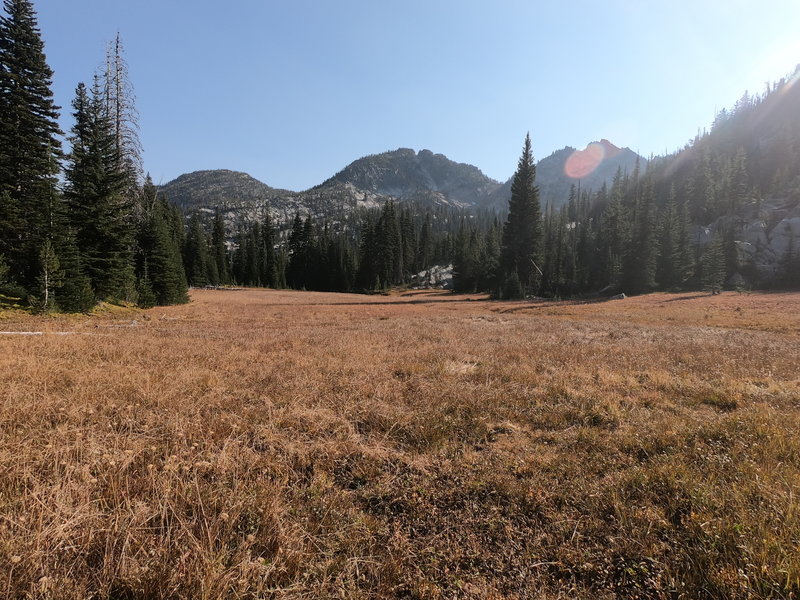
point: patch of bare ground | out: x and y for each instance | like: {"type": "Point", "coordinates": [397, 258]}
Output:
{"type": "Point", "coordinates": [264, 444]}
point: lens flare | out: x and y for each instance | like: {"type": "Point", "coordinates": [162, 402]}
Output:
{"type": "Point", "coordinates": [794, 78]}
{"type": "Point", "coordinates": [583, 162]}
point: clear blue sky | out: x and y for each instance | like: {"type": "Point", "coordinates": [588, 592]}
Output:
{"type": "Point", "coordinates": [291, 91]}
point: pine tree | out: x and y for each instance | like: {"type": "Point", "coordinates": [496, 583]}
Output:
{"type": "Point", "coordinates": [368, 277]}
{"type": "Point", "coordinates": [99, 212]}
{"type": "Point", "coordinates": [29, 145]}
{"type": "Point", "coordinates": [195, 254]}
{"type": "Point", "coordinates": [162, 279]}
{"type": "Point", "coordinates": [3, 269]}
{"type": "Point", "coordinates": [789, 265]}
{"type": "Point", "coordinates": [614, 235]}
{"type": "Point", "coordinates": [75, 293]}
{"type": "Point", "coordinates": [642, 250]}
{"type": "Point", "coordinates": [270, 276]}
{"type": "Point", "coordinates": [713, 265]}
{"type": "Point", "coordinates": [466, 259]}
{"type": "Point", "coordinates": [522, 234]}
{"type": "Point", "coordinates": [409, 243]}
{"type": "Point", "coordinates": [119, 107]}
{"type": "Point", "coordinates": [219, 250]}
{"type": "Point", "coordinates": [298, 254]}
{"type": "Point", "coordinates": [667, 267]}
{"type": "Point", "coordinates": [50, 277]}
{"type": "Point", "coordinates": [490, 258]}
{"type": "Point", "coordinates": [425, 250]}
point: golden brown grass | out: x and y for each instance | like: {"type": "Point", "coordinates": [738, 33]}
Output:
{"type": "Point", "coordinates": [261, 444]}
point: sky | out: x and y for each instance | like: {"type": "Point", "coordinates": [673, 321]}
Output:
{"type": "Point", "coordinates": [291, 91]}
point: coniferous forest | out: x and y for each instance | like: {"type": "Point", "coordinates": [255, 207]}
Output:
{"type": "Point", "coordinates": [80, 223]}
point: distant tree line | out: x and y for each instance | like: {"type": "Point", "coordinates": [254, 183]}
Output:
{"type": "Point", "coordinates": [635, 235]}
{"type": "Point", "coordinates": [363, 251]}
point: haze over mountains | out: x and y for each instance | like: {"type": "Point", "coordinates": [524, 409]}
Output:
{"type": "Point", "coordinates": [404, 175]}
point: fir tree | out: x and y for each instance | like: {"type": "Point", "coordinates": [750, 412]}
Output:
{"type": "Point", "coordinates": [75, 293]}
{"type": "Point", "coordinates": [50, 277]}
{"type": "Point", "coordinates": [195, 254]}
{"type": "Point", "coordinates": [522, 234]}
{"type": "Point", "coordinates": [99, 212]}
{"type": "Point", "coordinates": [614, 235]}
{"type": "Point", "coordinates": [162, 279]}
{"type": "Point", "coordinates": [641, 252]}
{"type": "Point", "coordinates": [270, 275]}
{"type": "Point", "coordinates": [466, 263]}
{"type": "Point", "coordinates": [298, 254]}
{"type": "Point", "coordinates": [29, 145]}
{"type": "Point", "coordinates": [713, 265]}
{"type": "Point", "coordinates": [219, 250]}
{"type": "Point", "coordinates": [789, 264]}
{"type": "Point", "coordinates": [667, 267]}
{"type": "Point", "coordinates": [119, 108]}
{"type": "Point", "coordinates": [3, 269]}
{"type": "Point", "coordinates": [425, 248]}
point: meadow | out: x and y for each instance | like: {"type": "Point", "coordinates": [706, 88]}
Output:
{"type": "Point", "coordinates": [276, 444]}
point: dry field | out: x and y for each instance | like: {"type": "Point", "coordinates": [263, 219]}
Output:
{"type": "Point", "coordinates": [262, 444]}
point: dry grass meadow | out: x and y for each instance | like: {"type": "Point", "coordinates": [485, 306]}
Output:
{"type": "Point", "coordinates": [265, 444]}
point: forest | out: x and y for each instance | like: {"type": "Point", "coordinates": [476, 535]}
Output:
{"type": "Point", "coordinates": [82, 224]}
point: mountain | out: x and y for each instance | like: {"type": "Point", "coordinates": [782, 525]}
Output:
{"type": "Point", "coordinates": [203, 189]}
{"type": "Point", "coordinates": [588, 169]}
{"type": "Point", "coordinates": [403, 175]}
{"type": "Point", "coordinates": [243, 199]}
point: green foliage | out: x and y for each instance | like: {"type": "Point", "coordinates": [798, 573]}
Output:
{"type": "Point", "coordinates": [49, 280]}
{"type": "Point", "coordinates": [789, 266]}
{"type": "Point", "coordinates": [512, 287]}
{"type": "Point", "coordinates": [196, 253]}
{"type": "Point", "coordinates": [146, 297]}
{"type": "Point", "coordinates": [29, 144]}
{"type": "Point", "coordinates": [713, 266]}
{"type": "Point", "coordinates": [3, 269]}
{"type": "Point", "coordinates": [100, 212]}
{"type": "Point", "coordinates": [75, 294]}
{"type": "Point", "coordinates": [641, 254]}
{"type": "Point", "coordinates": [522, 234]}
{"type": "Point", "coordinates": [219, 251]}
{"type": "Point", "coordinates": [160, 271]}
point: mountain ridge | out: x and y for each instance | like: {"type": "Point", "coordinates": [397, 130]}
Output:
{"type": "Point", "coordinates": [403, 174]}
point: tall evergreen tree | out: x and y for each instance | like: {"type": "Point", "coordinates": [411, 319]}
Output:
{"type": "Point", "coordinates": [269, 276]}
{"type": "Point", "coordinates": [426, 243]}
{"type": "Point", "coordinates": [667, 266]}
{"type": "Point", "coordinates": [522, 234]}
{"type": "Point", "coordinates": [29, 145]}
{"type": "Point", "coordinates": [162, 279]}
{"type": "Point", "coordinates": [119, 107]}
{"type": "Point", "coordinates": [99, 211]}
{"type": "Point", "coordinates": [614, 234]}
{"type": "Point", "coordinates": [219, 250]}
{"type": "Point", "coordinates": [195, 253]}
{"type": "Point", "coordinates": [642, 251]}
{"type": "Point", "coordinates": [713, 265]}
